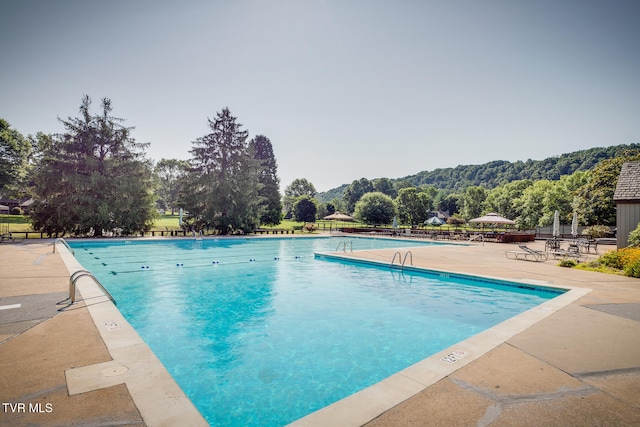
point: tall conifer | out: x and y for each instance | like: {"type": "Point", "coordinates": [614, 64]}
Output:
{"type": "Point", "coordinates": [94, 178]}
{"type": "Point", "coordinates": [222, 190]}
{"type": "Point", "coordinates": [270, 191]}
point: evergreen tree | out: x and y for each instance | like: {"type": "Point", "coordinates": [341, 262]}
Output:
{"type": "Point", "coordinates": [223, 185]}
{"type": "Point", "coordinates": [94, 178]}
{"type": "Point", "coordinates": [270, 191]}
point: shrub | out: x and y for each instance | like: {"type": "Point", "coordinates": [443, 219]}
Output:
{"type": "Point", "coordinates": [455, 219]}
{"type": "Point", "coordinates": [627, 260]}
{"type": "Point", "coordinates": [633, 269]}
{"type": "Point", "coordinates": [629, 256]}
{"type": "Point", "coordinates": [612, 259]}
{"type": "Point", "coordinates": [568, 263]}
{"type": "Point", "coordinates": [310, 227]}
{"type": "Point", "coordinates": [16, 211]}
{"type": "Point", "coordinates": [634, 237]}
{"type": "Point", "coordinates": [596, 231]}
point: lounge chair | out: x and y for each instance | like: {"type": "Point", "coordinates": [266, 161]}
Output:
{"type": "Point", "coordinates": [562, 253]}
{"type": "Point", "coordinates": [527, 254]}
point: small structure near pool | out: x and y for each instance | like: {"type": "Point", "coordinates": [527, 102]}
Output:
{"type": "Point", "coordinates": [627, 199]}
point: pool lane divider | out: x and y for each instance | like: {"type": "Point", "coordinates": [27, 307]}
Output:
{"type": "Point", "coordinates": [182, 265]}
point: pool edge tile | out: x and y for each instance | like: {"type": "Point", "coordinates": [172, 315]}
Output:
{"type": "Point", "coordinates": [363, 406]}
{"type": "Point", "coordinates": [157, 396]}
{"type": "Point", "coordinates": [359, 408]}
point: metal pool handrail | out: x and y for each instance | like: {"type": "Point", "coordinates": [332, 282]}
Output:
{"type": "Point", "coordinates": [405, 258]}
{"type": "Point", "coordinates": [401, 258]}
{"type": "Point", "coordinates": [343, 243]}
{"type": "Point", "coordinates": [64, 242]}
{"type": "Point", "coordinates": [394, 258]}
{"type": "Point", "coordinates": [81, 273]}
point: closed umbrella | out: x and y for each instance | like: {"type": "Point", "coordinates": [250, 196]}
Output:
{"type": "Point", "coordinates": [556, 224]}
{"type": "Point", "coordinates": [574, 225]}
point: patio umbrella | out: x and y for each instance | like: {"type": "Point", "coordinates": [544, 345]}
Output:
{"type": "Point", "coordinates": [556, 224]}
{"type": "Point", "coordinates": [574, 225]}
{"type": "Point", "coordinates": [395, 221]}
{"type": "Point", "coordinates": [434, 221]}
{"type": "Point", "coordinates": [492, 218]}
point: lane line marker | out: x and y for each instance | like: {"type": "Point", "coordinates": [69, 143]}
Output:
{"type": "Point", "coordinates": [8, 307]}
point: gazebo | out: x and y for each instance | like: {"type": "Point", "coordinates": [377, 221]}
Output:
{"type": "Point", "coordinates": [337, 216]}
{"type": "Point", "coordinates": [510, 237]}
{"type": "Point", "coordinates": [492, 218]}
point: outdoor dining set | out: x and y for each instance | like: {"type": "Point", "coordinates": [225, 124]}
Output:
{"type": "Point", "coordinates": [576, 249]}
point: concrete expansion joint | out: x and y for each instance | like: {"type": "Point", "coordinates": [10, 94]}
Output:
{"type": "Point", "coordinates": [622, 371]}
{"type": "Point", "coordinates": [494, 411]}
{"type": "Point", "coordinates": [33, 396]}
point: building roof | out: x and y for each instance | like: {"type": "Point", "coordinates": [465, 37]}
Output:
{"type": "Point", "coordinates": [628, 187]}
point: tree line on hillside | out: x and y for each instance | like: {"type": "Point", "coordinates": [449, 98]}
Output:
{"type": "Point", "coordinates": [492, 174]}
{"type": "Point", "coordinates": [531, 203]}
{"type": "Point", "coordinates": [94, 178]}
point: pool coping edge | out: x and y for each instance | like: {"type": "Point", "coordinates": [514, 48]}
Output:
{"type": "Point", "coordinates": [371, 402]}
{"type": "Point", "coordinates": [158, 397]}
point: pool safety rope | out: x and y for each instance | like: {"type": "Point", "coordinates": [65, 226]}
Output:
{"type": "Point", "coordinates": [181, 264]}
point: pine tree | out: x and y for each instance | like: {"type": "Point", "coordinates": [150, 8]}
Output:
{"type": "Point", "coordinates": [94, 178]}
{"type": "Point", "coordinates": [270, 191]}
{"type": "Point", "coordinates": [222, 190]}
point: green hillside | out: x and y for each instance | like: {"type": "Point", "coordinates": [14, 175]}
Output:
{"type": "Point", "coordinates": [492, 174]}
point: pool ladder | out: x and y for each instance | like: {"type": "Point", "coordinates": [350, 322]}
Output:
{"type": "Point", "coordinates": [64, 242]}
{"type": "Point", "coordinates": [82, 273]}
{"type": "Point", "coordinates": [404, 259]}
{"type": "Point", "coordinates": [344, 243]}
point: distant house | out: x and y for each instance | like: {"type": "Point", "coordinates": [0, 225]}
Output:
{"type": "Point", "coordinates": [627, 198]}
{"type": "Point", "coordinates": [439, 214]}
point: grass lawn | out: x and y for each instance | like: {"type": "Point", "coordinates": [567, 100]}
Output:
{"type": "Point", "coordinates": [20, 223]}
{"type": "Point", "coordinates": [17, 223]}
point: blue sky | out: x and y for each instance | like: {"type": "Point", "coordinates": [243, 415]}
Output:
{"type": "Point", "coordinates": [344, 89]}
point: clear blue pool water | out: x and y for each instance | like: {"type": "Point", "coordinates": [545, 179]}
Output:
{"type": "Point", "coordinates": [260, 332]}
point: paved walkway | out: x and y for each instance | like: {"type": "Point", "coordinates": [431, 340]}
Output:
{"type": "Point", "coordinates": [38, 344]}
{"type": "Point", "coordinates": [580, 365]}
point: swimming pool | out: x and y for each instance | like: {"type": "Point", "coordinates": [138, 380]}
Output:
{"type": "Point", "coordinates": [259, 332]}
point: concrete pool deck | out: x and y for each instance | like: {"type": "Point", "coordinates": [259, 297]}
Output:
{"type": "Point", "coordinates": [579, 364]}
